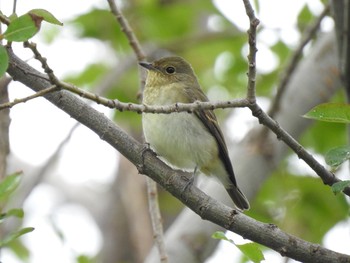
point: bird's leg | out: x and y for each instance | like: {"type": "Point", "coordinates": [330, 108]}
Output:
{"type": "Point", "coordinates": [191, 179]}
{"type": "Point", "coordinates": [146, 147]}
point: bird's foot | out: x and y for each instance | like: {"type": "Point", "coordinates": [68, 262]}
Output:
{"type": "Point", "coordinates": [190, 180]}
{"type": "Point", "coordinates": [146, 148]}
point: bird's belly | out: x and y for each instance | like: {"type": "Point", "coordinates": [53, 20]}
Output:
{"type": "Point", "coordinates": [180, 138]}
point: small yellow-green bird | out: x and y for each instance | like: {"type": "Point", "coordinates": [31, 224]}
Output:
{"type": "Point", "coordinates": [186, 140]}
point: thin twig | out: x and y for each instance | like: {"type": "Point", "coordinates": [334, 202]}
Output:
{"type": "Point", "coordinates": [151, 185]}
{"type": "Point", "coordinates": [326, 176]}
{"type": "Point", "coordinates": [40, 175]}
{"type": "Point", "coordinates": [156, 218]}
{"type": "Point", "coordinates": [140, 108]}
{"type": "Point", "coordinates": [14, 7]}
{"type": "Point", "coordinates": [254, 22]}
{"type": "Point", "coordinates": [25, 99]}
{"type": "Point", "coordinates": [133, 41]}
{"type": "Point", "coordinates": [293, 62]}
{"type": "Point", "coordinates": [4, 19]}
{"type": "Point", "coordinates": [122, 106]}
{"type": "Point", "coordinates": [53, 79]}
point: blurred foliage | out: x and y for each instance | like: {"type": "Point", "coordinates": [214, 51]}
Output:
{"type": "Point", "coordinates": [251, 251]}
{"type": "Point", "coordinates": [317, 137]}
{"type": "Point", "coordinates": [337, 156]}
{"type": "Point", "coordinates": [90, 77]}
{"type": "Point", "coordinates": [84, 259]}
{"type": "Point", "coordinates": [4, 61]}
{"type": "Point", "coordinates": [304, 18]}
{"type": "Point", "coordinates": [11, 240]}
{"type": "Point", "coordinates": [300, 205]}
{"type": "Point", "coordinates": [101, 24]}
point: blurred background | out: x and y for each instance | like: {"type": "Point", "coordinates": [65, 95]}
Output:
{"type": "Point", "coordinates": [86, 202]}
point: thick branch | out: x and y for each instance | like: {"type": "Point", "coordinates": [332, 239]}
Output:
{"type": "Point", "coordinates": [173, 181]}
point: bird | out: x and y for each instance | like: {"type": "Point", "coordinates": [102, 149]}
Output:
{"type": "Point", "coordinates": [188, 141]}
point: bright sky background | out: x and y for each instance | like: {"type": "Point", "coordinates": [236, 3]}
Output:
{"type": "Point", "coordinates": [80, 165]}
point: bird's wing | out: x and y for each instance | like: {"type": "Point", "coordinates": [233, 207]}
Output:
{"type": "Point", "coordinates": [209, 120]}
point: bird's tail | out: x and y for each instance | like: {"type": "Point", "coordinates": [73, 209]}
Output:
{"type": "Point", "coordinates": [238, 197]}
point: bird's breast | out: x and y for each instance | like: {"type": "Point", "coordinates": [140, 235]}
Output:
{"type": "Point", "coordinates": [180, 138]}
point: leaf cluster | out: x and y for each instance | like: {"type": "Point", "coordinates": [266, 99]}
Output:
{"type": "Point", "coordinates": [7, 187]}
{"type": "Point", "coordinates": [21, 29]}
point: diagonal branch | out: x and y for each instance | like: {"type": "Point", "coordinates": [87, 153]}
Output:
{"type": "Point", "coordinates": [327, 177]}
{"type": "Point", "coordinates": [293, 61]}
{"type": "Point", "coordinates": [151, 185]}
{"type": "Point", "coordinates": [133, 41]}
{"type": "Point", "coordinates": [174, 181]}
{"type": "Point", "coordinates": [25, 99]}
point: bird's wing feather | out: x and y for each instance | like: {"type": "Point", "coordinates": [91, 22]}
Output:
{"type": "Point", "coordinates": [209, 120]}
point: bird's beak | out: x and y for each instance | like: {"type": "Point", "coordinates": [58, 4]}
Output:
{"type": "Point", "coordinates": [148, 66]}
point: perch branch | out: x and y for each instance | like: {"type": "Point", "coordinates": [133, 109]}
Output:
{"type": "Point", "coordinates": [174, 181]}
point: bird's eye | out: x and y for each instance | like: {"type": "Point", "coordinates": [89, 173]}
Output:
{"type": "Point", "coordinates": [170, 70]}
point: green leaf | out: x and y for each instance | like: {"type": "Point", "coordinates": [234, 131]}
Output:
{"type": "Point", "coordinates": [19, 249]}
{"type": "Point", "coordinates": [23, 28]}
{"type": "Point", "coordinates": [13, 16]}
{"type": "Point", "coordinates": [16, 235]}
{"type": "Point", "coordinates": [9, 184]}
{"type": "Point", "coordinates": [252, 251]}
{"type": "Point", "coordinates": [46, 16]}
{"type": "Point", "coordinates": [317, 136]}
{"type": "Point", "coordinates": [93, 25]}
{"type": "Point", "coordinates": [84, 259]}
{"type": "Point", "coordinates": [304, 18]}
{"type": "Point", "coordinates": [90, 76]}
{"type": "Point", "coordinates": [335, 157]}
{"type": "Point", "coordinates": [339, 186]}
{"type": "Point", "coordinates": [221, 235]}
{"type": "Point", "coordinates": [16, 212]}
{"type": "Point", "coordinates": [282, 50]}
{"type": "Point", "coordinates": [331, 112]}
{"type": "Point", "coordinates": [4, 60]}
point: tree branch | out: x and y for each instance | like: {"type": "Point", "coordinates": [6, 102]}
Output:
{"type": "Point", "coordinates": [133, 41]}
{"type": "Point", "coordinates": [327, 177]}
{"type": "Point", "coordinates": [293, 61]}
{"type": "Point", "coordinates": [254, 22]}
{"type": "Point", "coordinates": [171, 180]}
{"type": "Point", "coordinates": [151, 185]}
{"type": "Point", "coordinates": [25, 99]}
